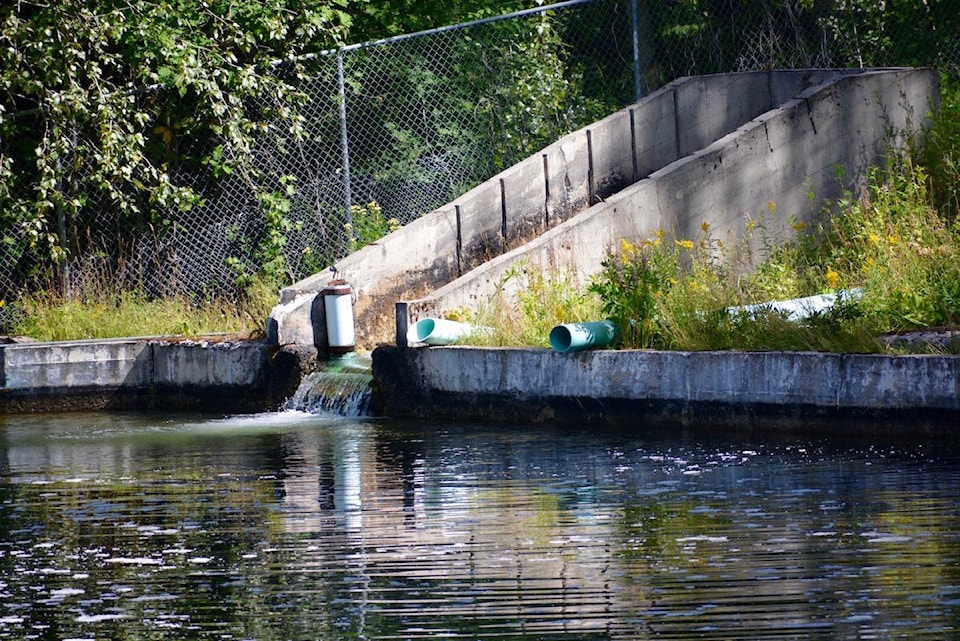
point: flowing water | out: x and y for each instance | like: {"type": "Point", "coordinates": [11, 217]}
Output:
{"type": "Point", "coordinates": [345, 394]}
{"type": "Point", "coordinates": [302, 526]}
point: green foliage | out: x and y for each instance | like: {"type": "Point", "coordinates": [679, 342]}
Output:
{"type": "Point", "coordinates": [685, 295]}
{"type": "Point", "coordinates": [76, 122]}
{"type": "Point", "coordinates": [940, 151]}
{"type": "Point", "coordinates": [368, 224]}
{"type": "Point", "coordinates": [98, 311]}
{"type": "Point", "coordinates": [632, 284]}
{"type": "Point", "coordinates": [690, 37]}
{"type": "Point", "coordinates": [375, 20]}
{"type": "Point", "coordinates": [900, 249]}
{"type": "Point", "coordinates": [448, 113]}
{"type": "Point", "coordinates": [532, 95]}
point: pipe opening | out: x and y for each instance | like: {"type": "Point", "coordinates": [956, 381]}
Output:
{"type": "Point", "coordinates": [424, 328]}
{"type": "Point", "coordinates": [560, 338]}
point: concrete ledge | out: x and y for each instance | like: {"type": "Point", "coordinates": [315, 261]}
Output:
{"type": "Point", "coordinates": [145, 374]}
{"type": "Point", "coordinates": [634, 388]}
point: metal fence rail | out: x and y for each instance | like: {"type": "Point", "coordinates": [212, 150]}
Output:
{"type": "Point", "coordinates": [396, 128]}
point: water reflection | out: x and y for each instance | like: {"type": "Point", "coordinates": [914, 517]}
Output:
{"type": "Point", "coordinates": [292, 526]}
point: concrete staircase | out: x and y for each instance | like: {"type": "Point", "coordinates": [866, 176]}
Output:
{"type": "Point", "coordinates": [711, 149]}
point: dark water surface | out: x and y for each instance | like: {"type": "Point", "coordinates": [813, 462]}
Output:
{"type": "Point", "coordinates": [294, 526]}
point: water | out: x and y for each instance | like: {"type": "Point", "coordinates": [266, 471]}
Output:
{"type": "Point", "coordinates": [342, 388]}
{"type": "Point", "coordinates": [299, 526]}
{"type": "Point", "coordinates": [346, 394]}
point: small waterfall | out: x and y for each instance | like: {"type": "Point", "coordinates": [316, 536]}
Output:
{"type": "Point", "coordinates": [343, 388]}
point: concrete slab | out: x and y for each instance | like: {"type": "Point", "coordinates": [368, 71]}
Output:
{"type": "Point", "coordinates": [89, 363]}
{"type": "Point", "coordinates": [479, 225]}
{"type": "Point", "coordinates": [204, 364]}
{"type": "Point", "coordinates": [524, 190]}
{"type": "Point", "coordinates": [567, 163]}
{"type": "Point", "coordinates": [145, 373]}
{"type": "Point", "coordinates": [655, 132]}
{"type": "Point", "coordinates": [615, 168]}
{"type": "Point", "coordinates": [641, 389]}
{"type": "Point", "coordinates": [709, 107]}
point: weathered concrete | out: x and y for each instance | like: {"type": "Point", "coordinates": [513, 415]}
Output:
{"type": "Point", "coordinates": [147, 373]}
{"type": "Point", "coordinates": [917, 395]}
{"type": "Point", "coordinates": [777, 168]}
{"type": "Point", "coordinates": [537, 194]}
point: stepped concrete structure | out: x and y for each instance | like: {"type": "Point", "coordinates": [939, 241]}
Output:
{"type": "Point", "coordinates": [717, 150]}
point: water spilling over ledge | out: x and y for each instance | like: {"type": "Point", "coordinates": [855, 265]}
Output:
{"type": "Point", "coordinates": [342, 388]}
{"type": "Point", "coordinates": [336, 393]}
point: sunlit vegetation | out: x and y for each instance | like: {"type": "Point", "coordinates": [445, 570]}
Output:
{"type": "Point", "coordinates": [98, 312]}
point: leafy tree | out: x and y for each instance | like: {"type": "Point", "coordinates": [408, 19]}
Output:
{"type": "Point", "coordinates": [373, 20]}
{"type": "Point", "coordinates": [75, 109]}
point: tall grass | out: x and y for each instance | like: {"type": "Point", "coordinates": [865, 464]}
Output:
{"type": "Point", "coordinates": [100, 310]}
{"type": "Point", "coordinates": [527, 305]}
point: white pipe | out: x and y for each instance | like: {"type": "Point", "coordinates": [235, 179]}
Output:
{"type": "Point", "coordinates": [338, 307]}
{"type": "Point", "coordinates": [440, 331]}
{"type": "Point", "coordinates": [800, 308]}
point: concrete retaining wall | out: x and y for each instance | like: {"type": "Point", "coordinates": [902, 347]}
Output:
{"type": "Point", "coordinates": [535, 195]}
{"type": "Point", "coordinates": [144, 374]}
{"type": "Point", "coordinates": [634, 388]}
{"type": "Point", "coordinates": [766, 169]}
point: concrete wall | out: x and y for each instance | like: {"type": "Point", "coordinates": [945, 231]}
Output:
{"type": "Point", "coordinates": [766, 168]}
{"type": "Point", "coordinates": [144, 374]}
{"type": "Point", "coordinates": [536, 195]}
{"type": "Point", "coordinates": [637, 388]}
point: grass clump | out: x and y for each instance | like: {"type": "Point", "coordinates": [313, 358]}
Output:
{"type": "Point", "coordinates": [527, 305]}
{"type": "Point", "coordinates": [892, 256]}
{"type": "Point", "coordinates": [96, 311]}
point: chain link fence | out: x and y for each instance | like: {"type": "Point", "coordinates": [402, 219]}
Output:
{"type": "Point", "coordinates": [396, 128]}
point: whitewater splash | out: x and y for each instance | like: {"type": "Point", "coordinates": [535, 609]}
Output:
{"type": "Point", "coordinates": [343, 388]}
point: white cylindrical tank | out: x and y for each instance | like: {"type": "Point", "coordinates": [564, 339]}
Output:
{"type": "Point", "coordinates": [338, 308]}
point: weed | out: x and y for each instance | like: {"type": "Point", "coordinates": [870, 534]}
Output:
{"type": "Point", "coordinates": [368, 224]}
{"type": "Point", "coordinates": [528, 304]}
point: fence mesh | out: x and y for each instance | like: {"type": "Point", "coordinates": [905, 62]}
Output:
{"type": "Point", "coordinates": [394, 129]}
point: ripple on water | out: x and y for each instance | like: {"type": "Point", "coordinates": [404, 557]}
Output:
{"type": "Point", "coordinates": [311, 528]}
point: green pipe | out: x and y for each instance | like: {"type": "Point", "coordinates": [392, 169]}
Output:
{"type": "Point", "coordinates": [572, 337]}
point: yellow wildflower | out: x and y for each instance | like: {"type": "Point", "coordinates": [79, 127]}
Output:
{"type": "Point", "coordinates": [833, 278]}
{"type": "Point", "coordinates": [684, 244]}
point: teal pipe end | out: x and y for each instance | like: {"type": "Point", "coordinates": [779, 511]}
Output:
{"type": "Point", "coordinates": [572, 337]}
{"type": "Point", "coordinates": [440, 331]}
{"type": "Point", "coordinates": [561, 339]}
